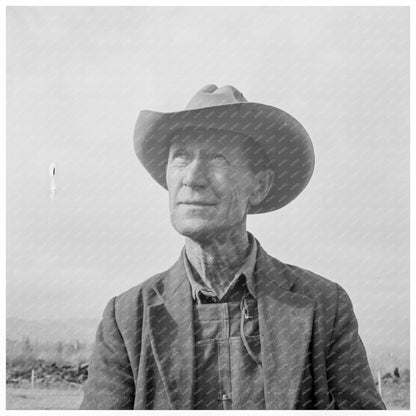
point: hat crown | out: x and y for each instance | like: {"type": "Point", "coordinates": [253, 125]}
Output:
{"type": "Point", "coordinates": [211, 95]}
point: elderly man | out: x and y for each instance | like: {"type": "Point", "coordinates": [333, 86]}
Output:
{"type": "Point", "coordinates": [228, 326]}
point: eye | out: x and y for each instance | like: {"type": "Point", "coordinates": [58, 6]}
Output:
{"type": "Point", "coordinates": [180, 157]}
{"type": "Point", "coordinates": [218, 159]}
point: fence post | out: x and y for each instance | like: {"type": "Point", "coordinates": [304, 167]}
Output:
{"type": "Point", "coordinates": [379, 382]}
{"type": "Point", "coordinates": [32, 379]}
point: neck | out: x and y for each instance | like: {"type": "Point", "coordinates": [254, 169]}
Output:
{"type": "Point", "coordinates": [216, 261]}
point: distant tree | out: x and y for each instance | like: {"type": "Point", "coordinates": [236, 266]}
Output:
{"type": "Point", "coordinates": [59, 347]}
{"type": "Point", "coordinates": [79, 346]}
{"type": "Point", "coordinates": [27, 347]}
{"type": "Point", "coordinates": [69, 350]}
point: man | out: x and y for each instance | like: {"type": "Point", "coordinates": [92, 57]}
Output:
{"type": "Point", "coordinates": [228, 326]}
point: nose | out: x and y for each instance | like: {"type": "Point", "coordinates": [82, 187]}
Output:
{"type": "Point", "coordinates": [196, 174]}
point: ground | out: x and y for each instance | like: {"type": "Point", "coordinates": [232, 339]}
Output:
{"type": "Point", "coordinates": [395, 395]}
{"type": "Point", "coordinates": [25, 398]}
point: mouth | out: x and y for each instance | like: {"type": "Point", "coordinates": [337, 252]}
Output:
{"type": "Point", "coordinates": [197, 203]}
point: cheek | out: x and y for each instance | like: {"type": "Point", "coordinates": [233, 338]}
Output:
{"type": "Point", "coordinates": [236, 189]}
{"type": "Point", "coordinates": [172, 182]}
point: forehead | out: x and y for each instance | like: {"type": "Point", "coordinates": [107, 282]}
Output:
{"type": "Point", "coordinates": [212, 140]}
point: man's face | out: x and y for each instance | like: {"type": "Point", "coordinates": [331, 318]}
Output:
{"type": "Point", "coordinates": [209, 183]}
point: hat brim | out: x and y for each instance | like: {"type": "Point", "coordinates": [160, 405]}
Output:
{"type": "Point", "coordinates": [285, 141]}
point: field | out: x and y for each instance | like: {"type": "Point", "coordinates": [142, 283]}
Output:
{"type": "Point", "coordinates": [395, 395]}
{"type": "Point", "coordinates": [25, 398]}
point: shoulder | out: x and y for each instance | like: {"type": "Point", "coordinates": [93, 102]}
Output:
{"type": "Point", "coordinates": [135, 301]}
{"type": "Point", "coordinates": [154, 289]}
{"type": "Point", "coordinates": [332, 305]}
{"type": "Point", "coordinates": [139, 295]}
{"type": "Point", "coordinates": [327, 294]}
{"type": "Point", "coordinates": [126, 311]}
{"type": "Point", "coordinates": [309, 283]}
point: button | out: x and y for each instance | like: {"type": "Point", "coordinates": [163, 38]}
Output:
{"type": "Point", "coordinates": [246, 310]}
{"type": "Point", "coordinates": [225, 397]}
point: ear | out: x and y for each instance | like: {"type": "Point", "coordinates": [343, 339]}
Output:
{"type": "Point", "coordinates": [263, 181]}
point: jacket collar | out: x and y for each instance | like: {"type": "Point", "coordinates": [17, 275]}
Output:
{"type": "Point", "coordinates": [285, 323]}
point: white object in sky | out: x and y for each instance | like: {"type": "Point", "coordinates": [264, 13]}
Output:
{"type": "Point", "coordinates": [52, 187]}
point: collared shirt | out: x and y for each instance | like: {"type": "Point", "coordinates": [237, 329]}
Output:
{"type": "Point", "coordinates": [200, 291]}
{"type": "Point", "coordinates": [228, 371]}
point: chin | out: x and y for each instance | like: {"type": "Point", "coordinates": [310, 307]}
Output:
{"type": "Point", "coordinates": [196, 229]}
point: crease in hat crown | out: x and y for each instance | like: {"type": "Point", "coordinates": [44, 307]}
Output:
{"type": "Point", "coordinates": [286, 143]}
{"type": "Point", "coordinates": [211, 95]}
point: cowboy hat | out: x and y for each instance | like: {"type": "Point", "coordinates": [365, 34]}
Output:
{"type": "Point", "coordinates": [285, 142]}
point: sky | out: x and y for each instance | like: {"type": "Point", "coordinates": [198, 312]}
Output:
{"type": "Point", "coordinates": [77, 78]}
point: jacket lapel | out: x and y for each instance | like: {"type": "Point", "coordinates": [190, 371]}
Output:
{"type": "Point", "coordinates": [285, 320]}
{"type": "Point", "coordinates": [171, 336]}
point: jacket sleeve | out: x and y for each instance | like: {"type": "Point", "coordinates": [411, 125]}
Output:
{"type": "Point", "coordinates": [110, 383]}
{"type": "Point", "coordinates": [349, 376]}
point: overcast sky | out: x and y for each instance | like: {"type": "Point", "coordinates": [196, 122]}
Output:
{"type": "Point", "coordinates": [76, 81]}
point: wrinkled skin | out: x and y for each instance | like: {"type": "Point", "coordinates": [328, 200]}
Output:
{"type": "Point", "coordinates": [211, 184]}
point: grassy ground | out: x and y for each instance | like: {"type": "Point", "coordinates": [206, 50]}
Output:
{"type": "Point", "coordinates": [395, 395]}
{"type": "Point", "coordinates": [25, 398]}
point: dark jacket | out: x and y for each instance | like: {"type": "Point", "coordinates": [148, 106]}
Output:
{"type": "Point", "coordinates": [311, 353]}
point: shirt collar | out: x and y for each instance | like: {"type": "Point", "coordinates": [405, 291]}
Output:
{"type": "Point", "coordinates": [246, 269]}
